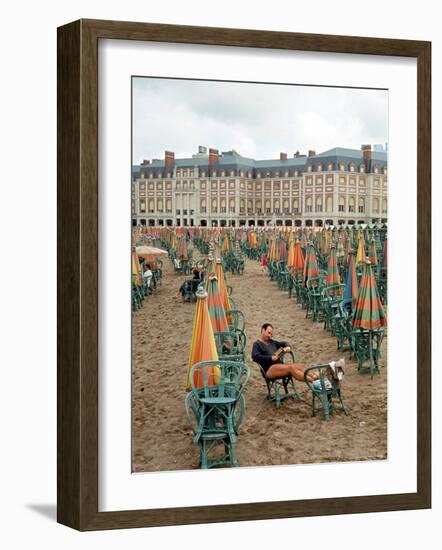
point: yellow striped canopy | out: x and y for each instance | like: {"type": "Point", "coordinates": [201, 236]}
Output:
{"type": "Point", "coordinates": [203, 345]}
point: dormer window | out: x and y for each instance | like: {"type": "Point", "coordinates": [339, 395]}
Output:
{"type": "Point", "coordinates": [232, 172]}
{"type": "Point", "coordinates": [309, 168]}
{"type": "Point", "coordinates": [342, 167]}
{"type": "Point", "coordinates": [223, 173]}
{"type": "Point", "coordinates": [330, 166]}
{"type": "Point", "coordinates": [319, 168]}
{"type": "Point", "coordinates": [376, 169]}
{"type": "Point", "coordinates": [385, 170]}
{"type": "Point", "coordinates": [362, 168]}
{"type": "Point", "coordinates": [352, 167]}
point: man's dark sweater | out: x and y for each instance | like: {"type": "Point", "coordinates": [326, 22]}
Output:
{"type": "Point", "coordinates": [262, 353]}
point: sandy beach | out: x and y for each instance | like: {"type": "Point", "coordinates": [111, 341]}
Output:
{"type": "Point", "coordinates": [162, 438]}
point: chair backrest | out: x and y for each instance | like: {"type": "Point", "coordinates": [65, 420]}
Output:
{"type": "Point", "coordinates": [219, 378]}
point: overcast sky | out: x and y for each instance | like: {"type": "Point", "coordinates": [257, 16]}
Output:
{"type": "Point", "coordinates": [257, 120]}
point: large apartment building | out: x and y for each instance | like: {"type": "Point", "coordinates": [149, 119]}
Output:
{"type": "Point", "coordinates": [338, 186]}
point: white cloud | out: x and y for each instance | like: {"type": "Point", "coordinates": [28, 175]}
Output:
{"type": "Point", "coordinates": [257, 120]}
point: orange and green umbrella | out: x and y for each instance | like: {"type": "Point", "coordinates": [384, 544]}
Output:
{"type": "Point", "coordinates": [298, 261]}
{"type": "Point", "coordinates": [340, 252]}
{"type": "Point", "coordinates": [372, 254]}
{"type": "Point", "coordinates": [226, 244]}
{"type": "Point", "coordinates": [210, 269]}
{"type": "Point", "coordinates": [333, 277]}
{"type": "Point", "coordinates": [217, 312]}
{"type": "Point", "coordinates": [219, 272]}
{"type": "Point", "coordinates": [385, 255]}
{"type": "Point", "coordinates": [351, 286]}
{"type": "Point", "coordinates": [272, 251]}
{"type": "Point", "coordinates": [311, 269]}
{"type": "Point", "coordinates": [203, 345]}
{"type": "Point", "coordinates": [291, 254]}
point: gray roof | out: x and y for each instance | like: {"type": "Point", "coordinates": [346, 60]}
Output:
{"type": "Point", "coordinates": [232, 159]}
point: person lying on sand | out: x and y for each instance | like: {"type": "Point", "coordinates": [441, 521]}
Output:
{"type": "Point", "coordinates": [267, 353]}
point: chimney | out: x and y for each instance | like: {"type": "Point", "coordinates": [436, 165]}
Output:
{"type": "Point", "coordinates": [169, 158]}
{"type": "Point", "coordinates": [282, 156]}
{"type": "Point", "coordinates": [366, 152]}
{"type": "Point", "coordinates": [213, 156]}
{"type": "Point", "coordinates": [145, 162]}
{"type": "Point", "coordinates": [311, 153]}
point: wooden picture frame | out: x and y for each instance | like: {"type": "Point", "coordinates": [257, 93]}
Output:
{"type": "Point", "coordinates": [77, 225]}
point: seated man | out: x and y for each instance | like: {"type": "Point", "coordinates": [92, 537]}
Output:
{"type": "Point", "coordinates": [264, 352]}
{"type": "Point", "coordinates": [191, 285]}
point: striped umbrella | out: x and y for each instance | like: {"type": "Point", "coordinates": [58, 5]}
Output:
{"type": "Point", "coordinates": [291, 254]}
{"type": "Point", "coordinates": [203, 345]}
{"type": "Point", "coordinates": [360, 256]}
{"type": "Point", "coordinates": [210, 269]}
{"type": "Point", "coordinates": [217, 312]}
{"type": "Point", "coordinates": [372, 255]}
{"type": "Point", "coordinates": [282, 249]}
{"type": "Point", "coordinates": [351, 286]}
{"type": "Point", "coordinates": [333, 277]}
{"type": "Point", "coordinates": [311, 266]}
{"type": "Point", "coordinates": [369, 313]}
{"type": "Point", "coordinates": [340, 252]}
{"type": "Point", "coordinates": [385, 255]}
{"type": "Point", "coordinates": [298, 261]}
{"type": "Point", "coordinates": [348, 253]}
{"type": "Point", "coordinates": [219, 272]}
{"type": "Point", "coordinates": [226, 244]}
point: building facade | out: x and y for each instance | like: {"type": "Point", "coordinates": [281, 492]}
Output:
{"type": "Point", "coordinates": [338, 186]}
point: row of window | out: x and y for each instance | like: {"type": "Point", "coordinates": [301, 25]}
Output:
{"type": "Point", "coordinates": [342, 167]}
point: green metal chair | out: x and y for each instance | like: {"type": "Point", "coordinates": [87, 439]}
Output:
{"type": "Point", "coordinates": [231, 345]}
{"type": "Point", "coordinates": [216, 409]}
{"type": "Point", "coordinates": [366, 345]}
{"type": "Point", "coordinates": [280, 389]}
{"type": "Point", "coordinates": [326, 389]}
{"type": "Point", "coordinates": [237, 318]}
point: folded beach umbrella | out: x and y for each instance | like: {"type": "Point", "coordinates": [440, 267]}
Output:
{"type": "Point", "coordinates": [360, 255]}
{"type": "Point", "coordinates": [217, 312]}
{"type": "Point", "coordinates": [385, 255]}
{"type": "Point", "coordinates": [298, 260]}
{"type": "Point", "coordinates": [225, 300]}
{"type": "Point", "coordinates": [340, 252]}
{"type": "Point", "coordinates": [226, 244]}
{"type": "Point", "coordinates": [203, 345]}
{"type": "Point", "coordinates": [351, 286]}
{"type": "Point", "coordinates": [291, 254]}
{"type": "Point", "coordinates": [333, 277]}
{"type": "Point", "coordinates": [368, 312]}
{"type": "Point", "coordinates": [210, 269]}
{"type": "Point", "coordinates": [372, 254]}
{"type": "Point", "coordinates": [311, 266]}
{"type": "Point", "coordinates": [272, 251]}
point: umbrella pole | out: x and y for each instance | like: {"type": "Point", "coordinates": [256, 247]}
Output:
{"type": "Point", "coordinates": [370, 348]}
